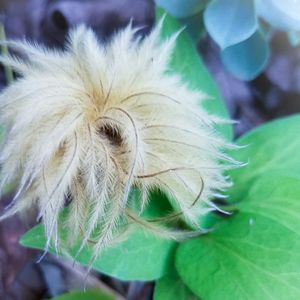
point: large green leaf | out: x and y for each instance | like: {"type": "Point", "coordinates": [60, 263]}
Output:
{"type": "Point", "coordinates": [172, 287]}
{"type": "Point", "coordinates": [141, 256]}
{"type": "Point", "coordinates": [255, 254]}
{"type": "Point", "coordinates": [270, 148]}
{"type": "Point", "coordinates": [85, 295]}
{"type": "Point", "coordinates": [187, 62]}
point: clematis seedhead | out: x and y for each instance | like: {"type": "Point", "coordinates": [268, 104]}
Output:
{"type": "Point", "coordinates": [87, 124]}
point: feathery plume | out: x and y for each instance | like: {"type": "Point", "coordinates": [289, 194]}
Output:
{"type": "Point", "coordinates": [91, 122]}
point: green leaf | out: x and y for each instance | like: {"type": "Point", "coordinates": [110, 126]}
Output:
{"type": "Point", "coordinates": [85, 295]}
{"type": "Point", "coordinates": [230, 22]}
{"type": "Point", "coordinates": [254, 254]}
{"type": "Point", "coordinates": [142, 256]}
{"type": "Point", "coordinates": [246, 60]}
{"type": "Point", "coordinates": [172, 287]}
{"type": "Point", "coordinates": [187, 62]}
{"type": "Point", "coordinates": [182, 9]}
{"type": "Point", "coordinates": [194, 26]}
{"type": "Point", "coordinates": [270, 148]}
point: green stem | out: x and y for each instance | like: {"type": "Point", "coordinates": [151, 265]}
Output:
{"type": "Point", "coordinates": [9, 75]}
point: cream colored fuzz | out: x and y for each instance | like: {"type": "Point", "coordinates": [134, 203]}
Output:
{"type": "Point", "coordinates": [92, 121]}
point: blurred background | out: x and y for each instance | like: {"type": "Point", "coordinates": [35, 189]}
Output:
{"type": "Point", "coordinates": [259, 79]}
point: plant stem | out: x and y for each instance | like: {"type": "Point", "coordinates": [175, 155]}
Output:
{"type": "Point", "coordinates": [4, 51]}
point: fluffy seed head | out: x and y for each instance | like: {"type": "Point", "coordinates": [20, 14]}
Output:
{"type": "Point", "coordinates": [87, 124]}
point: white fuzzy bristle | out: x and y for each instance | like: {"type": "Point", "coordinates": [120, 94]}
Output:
{"type": "Point", "coordinates": [92, 121]}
